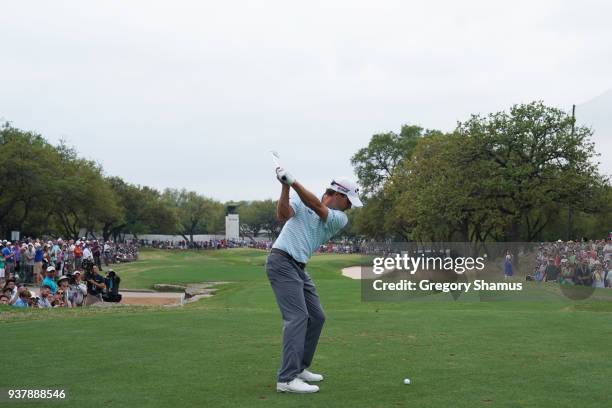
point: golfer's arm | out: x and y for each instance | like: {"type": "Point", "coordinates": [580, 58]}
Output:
{"type": "Point", "coordinates": [283, 209]}
{"type": "Point", "coordinates": [311, 201]}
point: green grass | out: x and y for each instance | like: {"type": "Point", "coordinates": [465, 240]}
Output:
{"type": "Point", "coordinates": [224, 351]}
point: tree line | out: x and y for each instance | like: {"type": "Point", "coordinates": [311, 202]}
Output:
{"type": "Point", "coordinates": [48, 190]}
{"type": "Point", "coordinates": [529, 173]}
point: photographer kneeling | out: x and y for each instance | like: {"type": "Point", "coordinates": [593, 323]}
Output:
{"type": "Point", "coordinates": [112, 288]}
{"type": "Point", "coordinates": [95, 285]}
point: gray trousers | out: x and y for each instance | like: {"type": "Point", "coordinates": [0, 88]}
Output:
{"type": "Point", "coordinates": [301, 311]}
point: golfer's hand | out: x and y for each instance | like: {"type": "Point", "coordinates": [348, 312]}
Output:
{"type": "Point", "coordinates": [284, 176]}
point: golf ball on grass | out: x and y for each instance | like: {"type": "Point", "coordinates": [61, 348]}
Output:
{"type": "Point", "coordinates": [407, 381]}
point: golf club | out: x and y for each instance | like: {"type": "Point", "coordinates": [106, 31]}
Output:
{"type": "Point", "coordinates": [276, 160]}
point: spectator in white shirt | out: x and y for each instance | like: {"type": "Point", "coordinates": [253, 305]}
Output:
{"type": "Point", "coordinates": [87, 254]}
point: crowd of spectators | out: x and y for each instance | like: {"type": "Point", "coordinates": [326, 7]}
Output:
{"type": "Point", "coordinates": [66, 273]}
{"type": "Point", "coordinates": [209, 244]}
{"type": "Point", "coordinates": [587, 263]}
{"type": "Point", "coordinates": [339, 248]}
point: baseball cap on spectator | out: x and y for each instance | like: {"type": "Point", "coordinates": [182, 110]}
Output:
{"type": "Point", "coordinates": [75, 272]}
{"type": "Point", "coordinates": [51, 268]}
{"type": "Point", "coordinates": [61, 278]}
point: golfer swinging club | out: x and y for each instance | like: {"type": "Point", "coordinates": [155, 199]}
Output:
{"type": "Point", "coordinates": [310, 222]}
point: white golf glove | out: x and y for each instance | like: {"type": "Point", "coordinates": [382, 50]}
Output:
{"type": "Point", "coordinates": [284, 176]}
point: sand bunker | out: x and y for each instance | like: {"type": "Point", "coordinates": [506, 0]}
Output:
{"type": "Point", "coordinates": [152, 298]}
{"type": "Point", "coordinates": [170, 295]}
{"type": "Point", "coordinates": [359, 272]}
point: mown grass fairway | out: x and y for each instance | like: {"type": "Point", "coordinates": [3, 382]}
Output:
{"type": "Point", "coordinates": [224, 351]}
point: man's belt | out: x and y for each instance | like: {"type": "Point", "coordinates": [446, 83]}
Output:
{"type": "Point", "coordinates": [302, 265]}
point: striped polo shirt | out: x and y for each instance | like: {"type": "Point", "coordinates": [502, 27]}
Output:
{"type": "Point", "coordinates": [303, 233]}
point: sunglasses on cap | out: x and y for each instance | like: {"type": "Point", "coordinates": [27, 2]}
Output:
{"type": "Point", "coordinates": [341, 187]}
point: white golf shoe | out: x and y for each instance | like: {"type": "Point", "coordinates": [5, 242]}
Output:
{"type": "Point", "coordinates": [297, 386]}
{"type": "Point", "coordinates": [308, 376]}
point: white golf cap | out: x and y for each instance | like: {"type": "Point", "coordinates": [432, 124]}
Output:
{"type": "Point", "coordinates": [346, 186]}
{"type": "Point", "coordinates": [51, 269]}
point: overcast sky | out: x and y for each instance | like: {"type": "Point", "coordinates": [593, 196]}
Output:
{"type": "Point", "coordinates": [194, 94]}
